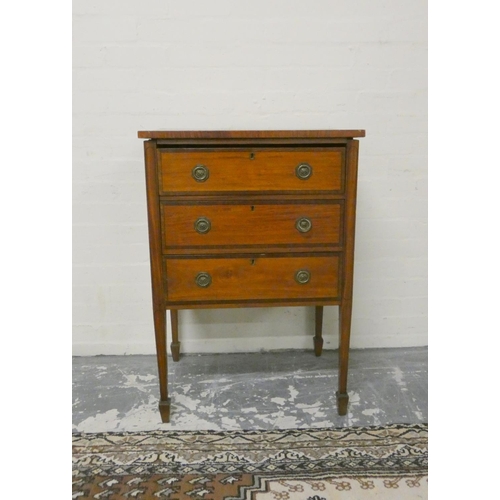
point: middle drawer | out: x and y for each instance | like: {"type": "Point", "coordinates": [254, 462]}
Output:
{"type": "Point", "coordinates": [251, 224]}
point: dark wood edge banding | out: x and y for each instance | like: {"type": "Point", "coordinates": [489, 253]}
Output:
{"type": "Point", "coordinates": [249, 134]}
{"type": "Point", "coordinates": [276, 200]}
{"type": "Point", "coordinates": [224, 304]}
{"type": "Point", "coordinates": [257, 255]}
{"type": "Point", "coordinates": [248, 251]}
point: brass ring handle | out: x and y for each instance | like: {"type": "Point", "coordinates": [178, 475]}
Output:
{"type": "Point", "coordinates": [202, 225]}
{"type": "Point", "coordinates": [303, 171]}
{"type": "Point", "coordinates": [303, 225]}
{"type": "Point", "coordinates": [200, 173]}
{"type": "Point", "coordinates": [203, 279]}
{"type": "Point", "coordinates": [302, 276]}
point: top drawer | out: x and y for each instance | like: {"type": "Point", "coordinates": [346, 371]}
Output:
{"type": "Point", "coordinates": [273, 170]}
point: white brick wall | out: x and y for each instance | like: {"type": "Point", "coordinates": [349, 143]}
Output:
{"type": "Point", "coordinates": [264, 64]}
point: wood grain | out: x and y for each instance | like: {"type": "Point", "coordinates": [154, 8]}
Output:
{"type": "Point", "coordinates": [268, 170]}
{"type": "Point", "coordinates": [234, 304]}
{"type": "Point", "coordinates": [175, 345]}
{"type": "Point", "coordinates": [255, 142]}
{"type": "Point", "coordinates": [345, 311]}
{"type": "Point", "coordinates": [250, 225]}
{"type": "Point", "coordinates": [252, 199]}
{"type": "Point", "coordinates": [318, 332]}
{"type": "Point", "coordinates": [248, 134]}
{"type": "Point", "coordinates": [154, 226]}
{"type": "Point", "coordinates": [251, 278]}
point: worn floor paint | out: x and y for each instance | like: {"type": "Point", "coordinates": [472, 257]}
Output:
{"type": "Point", "coordinates": [286, 389]}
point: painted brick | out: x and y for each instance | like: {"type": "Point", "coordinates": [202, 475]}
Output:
{"type": "Point", "coordinates": [257, 55]}
{"type": "Point", "coordinates": [390, 288]}
{"type": "Point", "coordinates": [112, 254]}
{"type": "Point", "coordinates": [124, 234]}
{"type": "Point", "coordinates": [102, 78]}
{"type": "Point", "coordinates": [120, 8]}
{"type": "Point", "coordinates": [392, 55]}
{"type": "Point", "coordinates": [110, 190]}
{"type": "Point", "coordinates": [104, 29]}
{"type": "Point", "coordinates": [255, 10]}
{"type": "Point", "coordinates": [416, 306]}
{"type": "Point", "coordinates": [88, 56]}
{"type": "Point", "coordinates": [88, 149]}
{"type": "Point", "coordinates": [104, 274]}
{"type": "Point", "coordinates": [187, 81]}
{"type": "Point", "coordinates": [370, 229]}
{"type": "Point", "coordinates": [136, 57]}
{"type": "Point", "coordinates": [109, 213]}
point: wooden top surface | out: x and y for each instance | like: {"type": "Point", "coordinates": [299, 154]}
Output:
{"type": "Point", "coordinates": [250, 134]}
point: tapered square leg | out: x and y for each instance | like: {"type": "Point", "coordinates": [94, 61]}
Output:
{"type": "Point", "coordinates": [175, 345]}
{"type": "Point", "coordinates": [318, 336]}
{"type": "Point", "coordinates": [345, 334]}
{"type": "Point", "coordinates": [155, 253]}
{"type": "Point", "coordinates": [345, 310]}
{"type": "Point", "coordinates": [160, 334]}
{"type": "Point", "coordinates": [342, 403]}
{"type": "Point", "coordinates": [164, 408]}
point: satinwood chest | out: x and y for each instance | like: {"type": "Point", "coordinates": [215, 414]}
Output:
{"type": "Point", "coordinates": [249, 219]}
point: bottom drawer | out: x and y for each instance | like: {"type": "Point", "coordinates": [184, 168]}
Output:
{"type": "Point", "coordinates": [252, 278]}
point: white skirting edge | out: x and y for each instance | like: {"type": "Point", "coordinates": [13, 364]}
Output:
{"type": "Point", "coordinates": [249, 344]}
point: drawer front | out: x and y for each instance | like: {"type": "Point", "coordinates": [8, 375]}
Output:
{"type": "Point", "coordinates": [265, 170]}
{"type": "Point", "coordinates": [251, 224]}
{"type": "Point", "coordinates": [259, 278]}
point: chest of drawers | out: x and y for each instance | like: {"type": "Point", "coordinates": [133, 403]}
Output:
{"type": "Point", "coordinates": [251, 219]}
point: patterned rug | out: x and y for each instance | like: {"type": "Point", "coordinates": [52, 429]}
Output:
{"type": "Point", "coordinates": [359, 463]}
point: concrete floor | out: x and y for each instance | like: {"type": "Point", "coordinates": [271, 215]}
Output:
{"type": "Point", "coordinates": [285, 389]}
